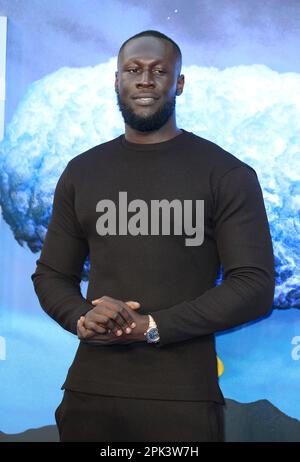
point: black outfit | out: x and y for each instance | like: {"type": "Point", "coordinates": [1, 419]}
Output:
{"type": "Point", "coordinates": [99, 418]}
{"type": "Point", "coordinates": [175, 283]}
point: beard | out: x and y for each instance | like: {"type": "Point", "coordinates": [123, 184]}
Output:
{"type": "Point", "coordinates": [149, 123]}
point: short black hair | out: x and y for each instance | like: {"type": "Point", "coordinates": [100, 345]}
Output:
{"type": "Point", "coordinates": [157, 34]}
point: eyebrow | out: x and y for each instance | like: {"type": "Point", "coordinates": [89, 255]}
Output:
{"type": "Point", "coordinates": [138, 61]}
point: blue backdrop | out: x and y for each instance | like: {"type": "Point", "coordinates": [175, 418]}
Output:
{"type": "Point", "coordinates": [242, 91]}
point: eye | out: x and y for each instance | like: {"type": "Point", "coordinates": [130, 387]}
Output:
{"type": "Point", "coordinates": [134, 70]}
{"type": "Point", "coordinates": [159, 71]}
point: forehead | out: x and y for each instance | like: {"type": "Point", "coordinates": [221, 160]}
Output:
{"type": "Point", "coordinates": [148, 49]}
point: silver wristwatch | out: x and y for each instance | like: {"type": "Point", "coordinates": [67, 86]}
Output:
{"type": "Point", "coordinates": [152, 334]}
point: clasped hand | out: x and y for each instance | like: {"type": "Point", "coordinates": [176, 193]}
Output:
{"type": "Point", "coordinates": [112, 321]}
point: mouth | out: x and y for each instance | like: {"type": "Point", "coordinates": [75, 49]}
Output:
{"type": "Point", "coordinates": [145, 101]}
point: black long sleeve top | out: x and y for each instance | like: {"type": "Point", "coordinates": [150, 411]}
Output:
{"type": "Point", "coordinates": [173, 281]}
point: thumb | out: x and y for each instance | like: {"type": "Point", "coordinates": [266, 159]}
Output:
{"type": "Point", "coordinates": [133, 305]}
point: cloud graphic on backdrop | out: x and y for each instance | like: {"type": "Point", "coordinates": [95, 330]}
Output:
{"type": "Point", "coordinates": [251, 111]}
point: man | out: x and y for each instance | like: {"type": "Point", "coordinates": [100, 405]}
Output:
{"type": "Point", "coordinates": [157, 210]}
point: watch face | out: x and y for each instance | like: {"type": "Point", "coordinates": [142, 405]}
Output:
{"type": "Point", "coordinates": [153, 335]}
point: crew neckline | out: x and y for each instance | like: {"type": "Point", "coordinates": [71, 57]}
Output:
{"type": "Point", "coordinates": [163, 145]}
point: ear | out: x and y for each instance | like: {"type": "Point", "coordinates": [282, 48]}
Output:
{"type": "Point", "coordinates": [180, 85]}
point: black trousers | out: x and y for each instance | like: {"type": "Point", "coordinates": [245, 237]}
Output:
{"type": "Point", "coordinates": [100, 418]}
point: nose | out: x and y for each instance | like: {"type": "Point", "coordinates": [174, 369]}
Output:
{"type": "Point", "coordinates": [146, 79]}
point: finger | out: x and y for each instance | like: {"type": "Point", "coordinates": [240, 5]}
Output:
{"type": "Point", "coordinates": [96, 328]}
{"type": "Point", "coordinates": [132, 304]}
{"type": "Point", "coordinates": [83, 327]}
{"type": "Point", "coordinates": [104, 320]}
{"type": "Point", "coordinates": [119, 320]}
{"type": "Point", "coordinates": [118, 311]}
{"type": "Point", "coordinates": [110, 319]}
{"type": "Point", "coordinates": [88, 331]}
{"type": "Point", "coordinates": [81, 331]}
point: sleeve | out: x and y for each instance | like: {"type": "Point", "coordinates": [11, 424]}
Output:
{"type": "Point", "coordinates": [245, 250]}
{"type": "Point", "coordinates": [58, 273]}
